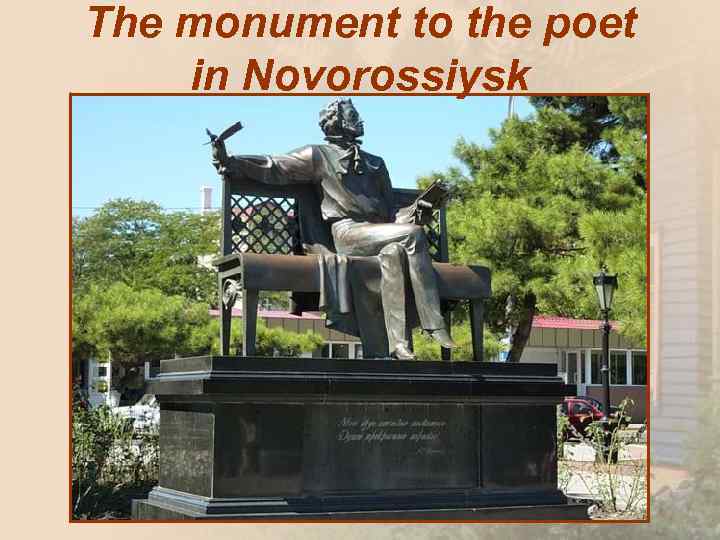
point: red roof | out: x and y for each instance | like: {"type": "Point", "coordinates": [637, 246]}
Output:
{"type": "Point", "coordinates": [548, 321]}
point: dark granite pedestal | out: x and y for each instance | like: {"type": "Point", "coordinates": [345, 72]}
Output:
{"type": "Point", "coordinates": [289, 438]}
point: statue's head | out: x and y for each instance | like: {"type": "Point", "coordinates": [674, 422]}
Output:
{"type": "Point", "coordinates": [339, 118]}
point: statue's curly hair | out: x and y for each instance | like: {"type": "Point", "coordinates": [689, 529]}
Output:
{"type": "Point", "coordinates": [330, 117]}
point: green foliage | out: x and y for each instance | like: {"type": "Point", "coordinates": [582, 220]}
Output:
{"type": "Point", "coordinates": [134, 325]}
{"type": "Point", "coordinates": [139, 292]}
{"type": "Point", "coordinates": [139, 244]}
{"type": "Point", "coordinates": [562, 429]}
{"type": "Point", "coordinates": [426, 348]}
{"type": "Point", "coordinates": [704, 455]}
{"type": "Point", "coordinates": [553, 198]}
{"type": "Point", "coordinates": [593, 116]}
{"type": "Point", "coordinates": [279, 300]}
{"type": "Point", "coordinates": [689, 510]}
{"type": "Point", "coordinates": [692, 511]}
{"type": "Point", "coordinates": [111, 461]}
{"type": "Point", "coordinates": [270, 341]}
{"type": "Point", "coordinates": [619, 491]}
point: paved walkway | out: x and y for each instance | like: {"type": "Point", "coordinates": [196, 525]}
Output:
{"type": "Point", "coordinates": [586, 483]}
{"type": "Point", "coordinates": [585, 452]}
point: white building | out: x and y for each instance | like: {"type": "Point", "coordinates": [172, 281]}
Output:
{"type": "Point", "coordinates": [574, 345]}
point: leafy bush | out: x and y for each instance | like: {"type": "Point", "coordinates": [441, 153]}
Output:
{"type": "Point", "coordinates": [141, 245]}
{"type": "Point", "coordinates": [111, 461]}
{"type": "Point", "coordinates": [270, 341]}
{"type": "Point", "coordinates": [426, 348]}
{"type": "Point", "coordinates": [691, 510]}
{"type": "Point", "coordinates": [562, 428]}
{"type": "Point", "coordinates": [622, 491]}
{"type": "Point", "coordinates": [133, 325]}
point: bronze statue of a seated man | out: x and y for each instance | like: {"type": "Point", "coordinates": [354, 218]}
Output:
{"type": "Point", "coordinates": [357, 203]}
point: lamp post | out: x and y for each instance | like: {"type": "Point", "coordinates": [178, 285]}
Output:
{"type": "Point", "coordinates": [605, 285]}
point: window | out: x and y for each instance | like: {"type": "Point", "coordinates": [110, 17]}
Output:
{"type": "Point", "coordinates": [581, 408]}
{"type": "Point", "coordinates": [595, 365]}
{"type": "Point", "coordinates": [595, 403]}
{"type": "Point", "coordinates": [572, 368]}
{"type": "Point", "coordinates": [618, 367]}
{"type": "Point", "coordinates": [639, 367]}
{"type": "Point", "coordinates": [563, 362]}
{"type": "Point", "coordinates": [102, 371]}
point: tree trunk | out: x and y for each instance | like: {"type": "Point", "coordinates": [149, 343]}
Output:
{"type": "Point", "coordinates": [522, 331]}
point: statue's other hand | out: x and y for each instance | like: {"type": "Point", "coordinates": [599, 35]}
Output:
{"type": "Point", "coordinates": [425, 216]}
{"type": "Point", "coordinates": [405, 215]}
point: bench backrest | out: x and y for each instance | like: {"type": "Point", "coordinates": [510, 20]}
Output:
{"type": "Point", "coordinates": [263, 219]}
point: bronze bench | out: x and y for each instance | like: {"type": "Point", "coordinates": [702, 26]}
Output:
{"type": "Point", "coordinates": [261, 246]}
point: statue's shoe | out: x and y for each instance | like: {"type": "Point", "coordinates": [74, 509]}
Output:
{"type": "Point", "coordinates": [443, 338]}
{"type": "Point", "coordinates": [401, 352]}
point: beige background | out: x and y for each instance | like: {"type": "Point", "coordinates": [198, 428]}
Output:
{"type": "Point", "coordinates": [48, 52]}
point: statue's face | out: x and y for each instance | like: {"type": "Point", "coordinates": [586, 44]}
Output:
{"type": "Point", "coordinates": [352, 124]}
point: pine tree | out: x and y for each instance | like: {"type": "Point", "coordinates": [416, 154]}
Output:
{"type": "Point", "coordinates": [552, 199]}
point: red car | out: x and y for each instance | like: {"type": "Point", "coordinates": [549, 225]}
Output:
{"type": "Point", "coordinates": [582, 411]}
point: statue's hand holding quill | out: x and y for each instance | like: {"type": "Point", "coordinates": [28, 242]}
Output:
{"type": "Point", "coordinates": [219, 153]}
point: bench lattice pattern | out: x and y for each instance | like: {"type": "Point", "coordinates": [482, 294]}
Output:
{"type": "Point", "coordinates": [263, 224]}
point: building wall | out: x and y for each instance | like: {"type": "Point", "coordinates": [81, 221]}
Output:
{"type": "Point", "coordinates": [540, 355]}
{"type": "Point", "coordinates": [684, 172]}
{"type": "Point", "coordinates": [549, 345]}
{"type": "Point", "coordinates": [638, 410]}
{"type": "Point", "coordinates": [566, 338]}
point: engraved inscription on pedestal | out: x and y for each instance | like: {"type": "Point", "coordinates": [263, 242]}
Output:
{"type": "Point", "coordinates": [390, 446]}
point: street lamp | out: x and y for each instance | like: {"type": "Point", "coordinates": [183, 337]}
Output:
{"type": "Point", "coordinates": [605, 285]}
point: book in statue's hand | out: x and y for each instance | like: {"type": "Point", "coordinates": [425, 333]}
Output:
{"type": "Point", "coordinates": [420, 211]}
{"type": "Point", "coordinates": [435, 196]}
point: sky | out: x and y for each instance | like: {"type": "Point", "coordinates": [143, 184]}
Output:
{"type": "Point", "coordinates": [151, 148]}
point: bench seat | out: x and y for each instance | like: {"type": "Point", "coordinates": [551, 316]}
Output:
{"type": "Point", "coordinates": [264, 272]}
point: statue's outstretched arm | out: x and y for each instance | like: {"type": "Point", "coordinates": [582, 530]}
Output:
{"type": "Point", "coordinates": [293, 168]}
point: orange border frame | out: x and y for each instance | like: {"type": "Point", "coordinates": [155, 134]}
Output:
{"type": "Point", "coordinates": [290, 94]}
